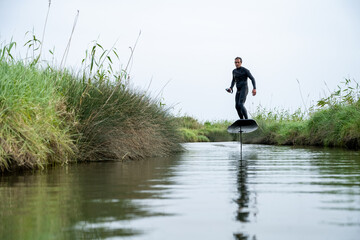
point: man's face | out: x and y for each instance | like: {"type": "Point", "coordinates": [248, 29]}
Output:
{"type": "Point", "coordinates": [237, 63]}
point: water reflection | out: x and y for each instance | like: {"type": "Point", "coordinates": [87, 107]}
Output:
{"type": "Point", "coordinates": [246, 200]}
{"type": "Point", "coordinates": [81, 201]}
{"type": "Point", "coordinates": [308, 190]}
{"type": "Point", "coordinates": [204, 193]}
{"type": "Point", "coordinates": [243, 200]}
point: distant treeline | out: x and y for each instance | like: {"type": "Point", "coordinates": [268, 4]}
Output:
{"type": "Point", "coordinates": [334, 121]}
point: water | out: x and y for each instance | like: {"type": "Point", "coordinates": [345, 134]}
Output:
{"type": "Point", "coordinates": [204, 193]}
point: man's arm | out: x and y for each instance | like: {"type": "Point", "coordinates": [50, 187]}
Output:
{"type": "Point", "coordinates": [232, 82]}
{"type": "Point", "coordinates": [252, 81]}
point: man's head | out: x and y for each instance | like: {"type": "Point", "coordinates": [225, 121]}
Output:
{"type": "Point", "coordinates": [238, 62]}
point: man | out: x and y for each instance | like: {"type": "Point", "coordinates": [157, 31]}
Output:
{"type": "Point", "coordinates": [240, 76]}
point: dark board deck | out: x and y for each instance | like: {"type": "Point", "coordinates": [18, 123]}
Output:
{"type": "Point", "coordinates": [243, 125]}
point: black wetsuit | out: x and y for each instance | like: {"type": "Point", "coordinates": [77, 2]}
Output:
{"type": "Point", "coordinates": [240, 76]}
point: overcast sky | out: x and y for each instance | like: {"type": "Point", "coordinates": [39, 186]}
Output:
{"type": "Point", "coordinates": [190, 45]}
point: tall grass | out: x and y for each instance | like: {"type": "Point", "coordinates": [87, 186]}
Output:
{"type": "Point", "coordinates": [129, 125]}
{"type": "Point", "coordinates": [116, 122]}
{"type": "Point", "coordinates": [35, 128]}
{"type": "Point", "coordinates": [50, 115]}
{"type": "Point", "coordinates": [334, 121]}
{"type": "Point", "coordinates": [337, 119]}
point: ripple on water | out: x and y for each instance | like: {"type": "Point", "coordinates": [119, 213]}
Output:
{"type": "Point", "coordinates": [204, 193]}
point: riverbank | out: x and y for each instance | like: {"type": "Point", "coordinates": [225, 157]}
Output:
{"type": "Point", "coordinates": [333, 122]}
{"type": "Point", "coordinates": [52, 116]}
{"type": "Point", "coordinates": [194, 131]}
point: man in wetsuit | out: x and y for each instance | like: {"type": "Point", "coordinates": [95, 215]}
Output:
{"type": "Point", "coordinates": [240, 76]}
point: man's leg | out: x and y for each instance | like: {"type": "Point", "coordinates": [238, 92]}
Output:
{"type": "Point", "coordinates": [240, 103]}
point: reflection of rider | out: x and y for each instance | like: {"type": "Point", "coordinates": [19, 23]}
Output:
{"type": "Point", "coordinates": [240, 76]}
{"type": "Point", "coordinates": [244, 198]}
{"type": "Point", "coordinates": [246, 201]}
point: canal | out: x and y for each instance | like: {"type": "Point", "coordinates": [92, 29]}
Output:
{"type": "Point", "coordinates": [206, 192]}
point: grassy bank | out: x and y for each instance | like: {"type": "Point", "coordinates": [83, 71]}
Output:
{"type": "Point", "coordinates": [333, 122]}
{"type": "Point", "coordinates": [50, 116]}
{"type": "Point", "coordinates": [194, 131]}
{"type": "Point", "coordinates": [116, 122]}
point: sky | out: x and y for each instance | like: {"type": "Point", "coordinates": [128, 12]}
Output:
{"type": "Point", "coordinates": [298, 51]}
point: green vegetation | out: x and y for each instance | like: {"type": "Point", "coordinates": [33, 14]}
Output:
{"type": "Point", "coordinates": [35, 128]}
{"type": "Point", "coordinates": [194, 131]}
{"type": "Point", "coordinates": [50, 116]}
{"type": "Point", "coordinates": [333, 122]}
{"type": "Point", "coordinates": [116, 122]}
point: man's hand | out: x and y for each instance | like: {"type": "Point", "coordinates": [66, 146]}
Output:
{"type": "Point", "coordinates": [229, 90]}
{"type": "Point", "coordinates": [254, 92]}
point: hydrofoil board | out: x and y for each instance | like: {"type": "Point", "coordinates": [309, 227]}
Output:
{"type": "Point", "coordinates": [243, 126]}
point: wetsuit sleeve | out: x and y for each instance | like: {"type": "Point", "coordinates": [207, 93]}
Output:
{"type": "Point", "coordinates": [232, 81]}
{"type": "Point", "coordinates": [252, 79]}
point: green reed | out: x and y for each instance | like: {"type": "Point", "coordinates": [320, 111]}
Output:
{"type": "Point", "coordinates": [333, 121]}
{"type": "Point", "coordinates": [50, 115]}
{"type": "Point", "coordinates": [115, 121]}
{"type": "Point", "coordinates": [34, 124]}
